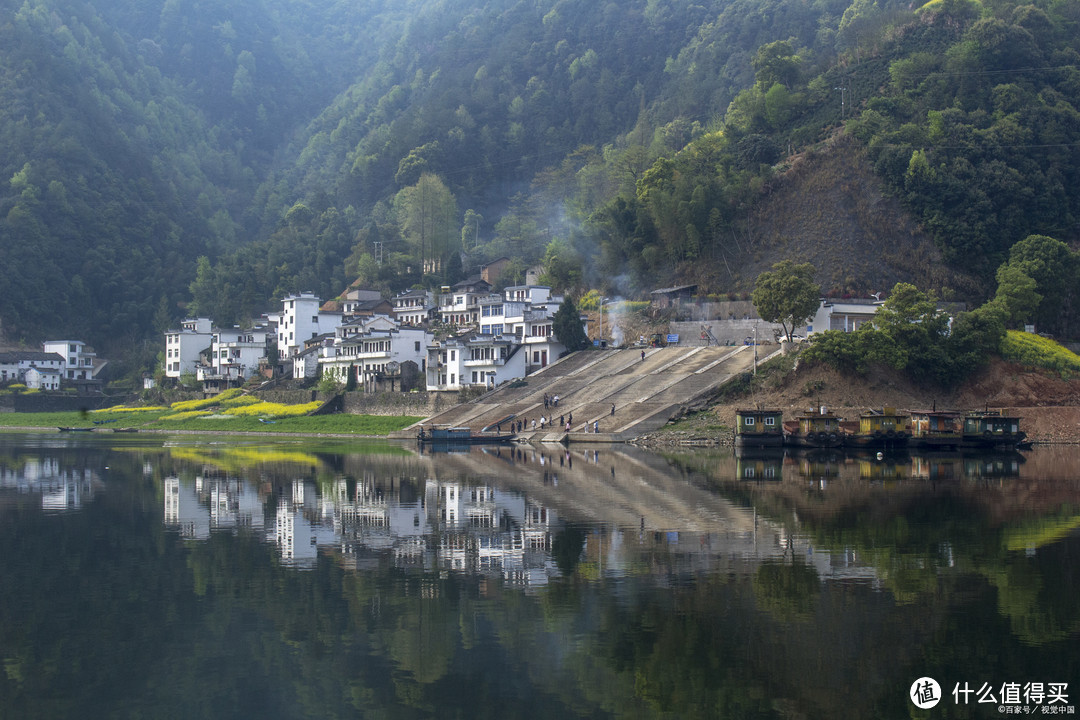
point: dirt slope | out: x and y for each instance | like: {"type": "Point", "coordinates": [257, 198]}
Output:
{"type": "Point", "coordinates": [1048, 405]}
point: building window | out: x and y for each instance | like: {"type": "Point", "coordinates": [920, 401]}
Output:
{"type": "Point", "coordinates": [770, 421]}
{"type": "Point", "coordinates": [749, 421]}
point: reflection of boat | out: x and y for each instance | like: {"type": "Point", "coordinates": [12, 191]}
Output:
{"type": "Point", "coordinates": [759, 428]}
{"type": "Point", "coordinates": [885, 429]}
{"type": "Point", "coordinates": [982, 429]}
{"type": "Point", "coordinates": [759, 463]}
{"type": "Point", "coordinates": [459, 435]}
{"type": "Point", "coordinates": [814, 429]}
{"type": "Point", "coordinates": [971, 464]}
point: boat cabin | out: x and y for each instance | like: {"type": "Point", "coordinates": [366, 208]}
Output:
{"type": "Point", "coordinates": [886, 422]}
{"type": "Point", "coordinates": [758, 422]}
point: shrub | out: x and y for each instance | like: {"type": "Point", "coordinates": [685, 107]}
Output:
{"type": "Point", "coordinates": [187, 415]}
{"type": "Point", "coordinates": [269, 409]}
{"type": "Point", "coordinates": [1035, 350]}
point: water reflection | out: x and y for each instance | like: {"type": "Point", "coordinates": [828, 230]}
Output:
{"type": "Point", "coordinates": [307, 578]}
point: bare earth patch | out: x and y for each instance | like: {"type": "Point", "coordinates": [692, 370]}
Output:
{"type": "Point", "coordinates": [1048, 405]}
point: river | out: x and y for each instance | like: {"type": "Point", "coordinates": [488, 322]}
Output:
{"type": "Point", "coordinates": [214, 577]}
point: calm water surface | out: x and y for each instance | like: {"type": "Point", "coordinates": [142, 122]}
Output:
{"type": "Point", "coordinates": [153, 577]}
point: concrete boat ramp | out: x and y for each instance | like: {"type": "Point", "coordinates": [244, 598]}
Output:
{"type": "Point", "coordinates": [646, 393]}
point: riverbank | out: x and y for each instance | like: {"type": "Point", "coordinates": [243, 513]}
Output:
{"type": "Point", "coordinates": [1048, 406]}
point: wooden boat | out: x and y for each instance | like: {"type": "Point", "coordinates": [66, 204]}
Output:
{"type": "Point", "coordinates": [979, 429]}
{"type": "Point", "coordinates": [460, 435]}
{"type": "Point", "coordinates": [759, 428]}
{"type": "Point", "coordinates": [75, 429]}
{"type": "Point", "coordinates": [815, 429]}
{"type": "Point", "coordinates": [884, 429]}
{"type": "Point", "coordinates": [936, 429]}
{"type": "Point", "coordinates": [990, 429]}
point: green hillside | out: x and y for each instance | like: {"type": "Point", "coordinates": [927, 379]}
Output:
{"type": "Point", "coordinates": [183, 156]}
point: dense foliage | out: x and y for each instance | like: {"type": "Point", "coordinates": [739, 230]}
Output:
{"type": "Point", "coordinates": [163, 159]}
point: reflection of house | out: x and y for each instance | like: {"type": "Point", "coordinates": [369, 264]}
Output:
{"type": "Point", "coordinates": [211, 503]}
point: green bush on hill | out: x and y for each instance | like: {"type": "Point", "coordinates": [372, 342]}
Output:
{"type": "Point", "coordinates": [1037, 351]}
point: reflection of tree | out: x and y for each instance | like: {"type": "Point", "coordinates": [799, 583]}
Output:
{"type": "Point", "coordinates": [787, 590]}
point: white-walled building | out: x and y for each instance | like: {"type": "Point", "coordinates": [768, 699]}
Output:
{"type": "Point", "coordinates": [80, 360]}
{"type": "Point", "coordinates": [491, 360]}
{"type": "Point", "coordinates": [845, 315]}
{"type": "Point", "coordinates": [368, 354]}
{"type": "Point", "coordinates": [446, 363]}
{"type": "Point", "coordinates": [300, 320]}
{"type": "Point", "coordinates": [235, 353]}
{"type": "Point", "coordinates": [42, 378]}
{"type": "Point", "coordinates": [459, 305]}
{"type": "Point", "coordinates": [183, 346]}
{"type": "Point", "coordinates": [16, 364]}
{"type": "Point", "coordinates": [414, 307]}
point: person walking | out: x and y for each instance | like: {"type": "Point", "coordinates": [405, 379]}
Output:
{"type": "Point", "coordinates": [612, 409]}
{"type": "Point", "coordinates": [642, 356]}
{"type": "Point", "coordinates": [595, 426]}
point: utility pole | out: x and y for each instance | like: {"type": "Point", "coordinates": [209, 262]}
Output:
{"type": "Point", "coordinates": [842, 89]}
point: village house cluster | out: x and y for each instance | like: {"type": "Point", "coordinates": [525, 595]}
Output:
{"type": "Point", "coordinates": [60, 363]}
{"type": "Point", "coordinates": [466, 336]}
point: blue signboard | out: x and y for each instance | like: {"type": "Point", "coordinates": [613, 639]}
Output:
{"type": "Point", "coordinates": [673, 339]}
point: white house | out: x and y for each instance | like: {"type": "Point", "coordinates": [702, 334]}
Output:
{"type": "Point", "coordinates": [235, 353]}
{"type": "Point", "coordinates": [414, 307]}
{"type": "Point", "coordinates": [370, 355]}
{"type": "Point", "coordinates": [491, 360]}
{"type": "Point", "coordinates": [42, 378]}
{"type": "Point", "coordinates": [183, 346]}
{"type": "Point", "coordinates": [845, 315]}
{"type": "Point", "coordinates": [80, 360]}
{"type": "Point", "coordinates": [300, 320]}
{"type": "Point", "coordinates": [459, 305]}
{"type": "Point", "coordinates": [446, 363]}
{"type": "Point", "coordinates": [15, 365]}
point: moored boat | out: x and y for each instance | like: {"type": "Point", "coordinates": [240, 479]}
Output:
{"type": "Point", "coordinates": [992, 429]}
{"type": "Point", "coordinates": [874, 429]}
{"type": "Point", "coordinates": [818, 429]}
{"type": "Point", "coordinates": [759, 428]}
{"type": "Point", "coordinates": [461, 435]}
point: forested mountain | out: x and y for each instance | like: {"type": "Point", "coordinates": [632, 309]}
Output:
{"type": "Point", "coordinates": [170, 157]}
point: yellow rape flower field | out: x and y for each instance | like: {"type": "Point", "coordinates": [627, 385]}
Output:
{"type": "Point", "coordinates": [230, 411]}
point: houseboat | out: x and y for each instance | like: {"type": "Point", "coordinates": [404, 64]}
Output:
{"type": "Point", "coordinates": [814, 429]}
{"type": "Point", "coordinates": [936, 429]}
{"type": "Point", "coordinates": [991, 429]}
{"type": "Point", "coordinates": [885, 429]}
{"type": "Point", "coordinates": [444, 434]}
{"type": "Point", "coordinates": [759, 428]}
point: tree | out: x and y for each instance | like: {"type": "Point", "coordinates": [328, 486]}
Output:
{"type": "Point", "coordinates": [911, 332]}
{"type": "Point", "coordinates": [787, 294]}
{"type": "Point", "coordinates": [566, 326]}
{"type": "Point", "coordinates": [427, 214]}
{"type": "Point", "coordinates": [1016, 295]}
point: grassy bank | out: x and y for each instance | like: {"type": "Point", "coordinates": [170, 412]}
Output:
{"type": "Point", "coordinates": [210, 421]}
